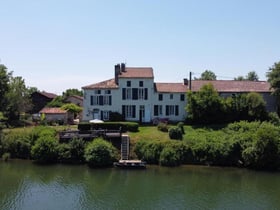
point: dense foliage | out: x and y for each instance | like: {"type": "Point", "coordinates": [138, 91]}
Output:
{"type": "Point", "coordinates": [245, 144]}
{"type": "Point", "coordinates": [207, 107]}
{"type": "Point", "coordinates": [122, 126]}
{"type": "Point", "coordinates": [99, 153]}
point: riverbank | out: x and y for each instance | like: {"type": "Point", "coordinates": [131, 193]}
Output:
{"type": "Point", "coordinates": [252, 145]}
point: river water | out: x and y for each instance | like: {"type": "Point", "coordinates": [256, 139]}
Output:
{"type": "Point", "coordinates": [24, 185]}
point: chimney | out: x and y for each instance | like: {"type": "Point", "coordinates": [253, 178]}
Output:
{"type": "Point", "coordinates": [122, 67]}
{"type": "Point", "coordinates": [186, 81]}
{"type": "Point", "coordinates": [117, 73]}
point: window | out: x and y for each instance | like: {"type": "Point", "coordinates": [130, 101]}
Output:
{"type": "Point", "coordinates": [91, 100]}
{"type": "Point", "coordinates": [101, 100]}
{"type": "Point", "coordinates": [129, 111]}
{"type": "Point", "coordinates": [97, 92]}
{"type": "Point", "coordinates": [182, 97]}
{"type": "Point", "coordinates": [172, 110]}
{"type": "Point", "coordinates": [107, 100]}
{"type": "Point", "coordinates": [128, 83]}
{"type": "Point", "coordinates": [157, 110]}
{"type": "Point", "coordinates": [107, 92]}
{"type": "Point", "coordinates": [160, 97]}
{"type": "Point", "coordinates": [141, 93]}
{"type": "Point", "coordinates": [128, 93]}
{"type": "Point", "coordinates": [105, 115]}
{"type": "Point", "coordinates": [171, 96]}
{"type": "Point", "coordinates": [141, 83]}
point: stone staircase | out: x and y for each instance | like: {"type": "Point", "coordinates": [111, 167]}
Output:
{"type": "Point", "coordinates": [125, 147]}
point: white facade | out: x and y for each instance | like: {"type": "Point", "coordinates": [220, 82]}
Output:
{"type": "Point", "coordinates": [134, 94]}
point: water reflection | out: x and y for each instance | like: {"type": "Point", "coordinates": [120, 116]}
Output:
{"type": "Point", "coordinates": [24, 185]}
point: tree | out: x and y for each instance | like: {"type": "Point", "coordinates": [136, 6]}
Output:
{"type": "Point", "coordinates": [273, 76]}
{"type": "Point", "coordinates": [239, 78]}
{"type": "Point", "coordinates": [72, 92]}
{"type": "Point", "coordinates": [4, 85]}
{"type": "Point", "coordinates": [72, 108]}
{"type": "Point", "coordinates": [256, 107]}
{"type": "Point", "coordinates": [205, 106]}
{"type": "Point", "coordinates": [252, 76]}
{"type": "Point", "coordinates": [56, 102]}
{"type": "Point", "coordinates": [208, 75]}
{"type": "Point", "coordinates": [18, 99]}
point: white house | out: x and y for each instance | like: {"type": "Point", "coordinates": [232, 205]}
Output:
{"type": "Point", "coordinates": [134, 94]}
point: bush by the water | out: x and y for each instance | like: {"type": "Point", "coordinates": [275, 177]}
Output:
{"type": "Point", "coordinates": [247, 144]}
{"type": "Point", "coordinates": [72, 152]}
{"type": "Point", "coordinates": [100, 153]}
{"type": "Point", "coordinates": [45, 149]}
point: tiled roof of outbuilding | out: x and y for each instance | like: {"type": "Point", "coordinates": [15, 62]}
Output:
{"type": "Point", "coordinates": [233, 85]}
{"type": "Point", "coordinates": [53, 110]}
{"type": "Point", "coordinates": [48, 95]}
{"type": "Point", "coordinates": [171, 87]}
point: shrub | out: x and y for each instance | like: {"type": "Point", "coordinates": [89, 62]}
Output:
{"type": "Point", "coordinates": [116, 117]}
{"type": "Point", "coordinates": [169, 157]}
{"type": "Point", "coordinates": [77, 148]}
{"type": "Point", "coordinates": [181, 126]}
{"type": "Point", "coordinates": [162, 127]}
{"type": "Point", "coordinates": [72, 152]}
{"type": "Point", "coordinates": [45, 150]}
{"type": "Point", "coordinates": [18, 145]}
{"type": "Point", "coordinates": [123, 126]}
{"type": "Point", "coordinates": [149, 150]}
{"type": "Point", "coordinates": [6, 156]}
{"type": "Point", "coordinates": [64, 153]}
{"type": "Point", "coordinates": [175, 133]}
{"type": "Point", "coordinates": [264, 152]}
{"type": "Point", "coordinates": [274, 118]}
{"type": "Point", "coordinates": [100, 153]}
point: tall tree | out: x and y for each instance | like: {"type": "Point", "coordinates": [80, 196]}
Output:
{"type": "Point", "coordinates": [273, 76]}
{"type": "Point", "coordinates": [208, 75]}
{"type": "Point", "coordinates": [18, 99]}
{"type": "Point", "coordinates": [240, 78]}
{"type": "Point", "coordinates": [71, 92]}
{"type": "Point", "coordinates": [4, 85]}
{"type": "Point", "coordinates": [205, 106]}
{"type": "Point", "coordinates": [252, 76]}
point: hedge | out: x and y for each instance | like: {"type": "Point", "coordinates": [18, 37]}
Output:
{"type": "Point", "coordinates": [123, 126]}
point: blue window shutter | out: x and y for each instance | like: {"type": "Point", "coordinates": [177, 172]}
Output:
{"type": "Point", "coordinates": [146, 93]}
{"type": "Point", "coordinates": [176, 110]}
{"type": "Point", "coordinates": [134, 93]}
{"type": "Point", "coordinates": [124, 93]}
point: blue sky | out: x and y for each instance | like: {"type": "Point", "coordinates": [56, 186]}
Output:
{"type": "Point", "coordinates": [55, 45]}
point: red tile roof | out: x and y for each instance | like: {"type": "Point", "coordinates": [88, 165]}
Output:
{"type": "Point", "coordinates": [171, 87]}
{"type": "Point", "coordinates": [107, 84]}
{"type": "Point", "coordinates": [233, 85]}
{"type": "Point", "coordinates": [48, 95]}
{"type": "Point", "coordinates": [137, 72]}
{"type": "Point", "coordinates": [52, 110]}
